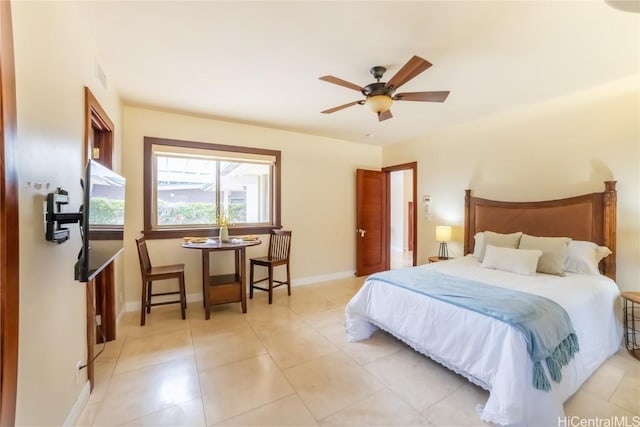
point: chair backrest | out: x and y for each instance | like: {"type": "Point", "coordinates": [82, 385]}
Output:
{"type": "Point", "coordinates": [280, 244]}
{"type": "Point", "coordinates": [143, 255]}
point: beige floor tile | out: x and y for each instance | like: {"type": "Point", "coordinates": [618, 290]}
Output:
{"type": "Point", "coordinates": [110, 350]}
{"type": "Point", "coordinates": [289, 411]}
{"type": "Point", "coordinates": [88, 414]}
{"type": "Point", "coordinates": [627, 395]}
{"type": "Point", "coordinates": [331, 383]}
{"type": "Point", "coordinates": [319, 319]}
{"type": "Point", "coordinates": [227, 347]}
{"type": "Point", "coordinates": [223, 318]}
{"type": "Point", "coordinates": [141, 392]}
{"type": "Point", "coordinates": [135, 385]}
{"type": "Point", "coordinates": [416, 378]}
{"type": "Point", "coordinates": [604, 381]}
{"type": "Point", "coordinates": [458, 408]}
{"type": "Point", "coordinates": [239, 387]}
{"type": "Point", "coordinates": [102, 371]}
{"type": "Point", "coordinates": [154, 349]}
{"type": "Point", "coordinates": [187, 414]}
{"type": "Point", "coordinates": [311, 308]}
{"type": "Point", "coordinates": [272, 319]}
{"type": "Point", "coordinates": [336, 290]}
{"type": "Point", "coordinates": [380, 344]}
{"type": "Point", "coordinates": [297, 346]}
{"type": "Point", "coordinates": [586, 405]}
{"type": "Point", "coordinates": [332, 328]}
{"type": "Point", "coordinates": [625, 362]}
{"type": "Point", "coordinates": [383, 408]}
{"type": "Point", "coordinates": [161, 320]}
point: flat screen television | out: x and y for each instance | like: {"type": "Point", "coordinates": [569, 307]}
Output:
{"type": "Point", "coordinates": [102, 222]}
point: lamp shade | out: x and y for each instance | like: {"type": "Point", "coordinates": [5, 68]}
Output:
{"type": "Point", "coordinates": [379, 103]}
{"type": "Point", "coordinates": [443, 233]}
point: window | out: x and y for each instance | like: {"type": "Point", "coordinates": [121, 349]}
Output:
{"type": "Point", "coordinates": [189, 186]}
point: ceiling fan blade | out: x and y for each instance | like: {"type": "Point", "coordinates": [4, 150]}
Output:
{"type": "Point", "coordinates": [412, 68]}
{"type": "Point", "coordinates": [340, 107]}
{"type": "Point", "coordinates": [340, 82]}
{"type": "Point", "coordinates": [384, 115]}
{"type": "Point", "coordinates": [438, 96]}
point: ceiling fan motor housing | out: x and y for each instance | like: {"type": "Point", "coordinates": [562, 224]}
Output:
{"type": "Point", "coordinates": [377, 88]}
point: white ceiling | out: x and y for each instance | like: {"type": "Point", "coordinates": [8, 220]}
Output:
{"type": "Point", "coordinates": [259, 62]}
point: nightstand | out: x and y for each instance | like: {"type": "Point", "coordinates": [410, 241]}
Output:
{"type": "Point", "coordinates": [631, 318]}
{"type": "Point", "coordinates": [436, 259]}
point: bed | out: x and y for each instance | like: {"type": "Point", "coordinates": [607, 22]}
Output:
{"type": "Point", "coordinates": [493, 354]}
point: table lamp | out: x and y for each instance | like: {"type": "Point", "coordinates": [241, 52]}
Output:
{"type": "Point", "coordinates": [443, 235]}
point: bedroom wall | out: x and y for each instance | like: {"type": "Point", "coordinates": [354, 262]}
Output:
{"type": "Point", "coordinates": [318, 196]}
{"type": "Point", "coordinates": [560, 148]}
{"type": "Point", "coordinates": [54, 62]}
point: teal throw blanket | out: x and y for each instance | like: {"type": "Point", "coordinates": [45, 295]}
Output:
{"type": "Point", "coordinates": [545, 325]}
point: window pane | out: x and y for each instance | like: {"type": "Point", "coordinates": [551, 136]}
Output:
{"type": "Point", "coordinates": [245, 192]}
{"type": "Point", "coordinates": [185, 190]}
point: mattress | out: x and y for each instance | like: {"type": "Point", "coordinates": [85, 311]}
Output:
{"type": "Point", "coordinates": [490, 353]}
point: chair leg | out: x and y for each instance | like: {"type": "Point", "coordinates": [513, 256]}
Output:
{"type": "Point", "coordinates": [149, 286]}
{"type": "Point", "coordinates": [270, 284]}
{"type": "Point", "coordinates": [288, 281]}
{"type": "Point", "coordinates": [143, 302]}
{"type": "Point", "coordinates": [251, 280]}
{"type": "Point", "coordinates": [183, 297]}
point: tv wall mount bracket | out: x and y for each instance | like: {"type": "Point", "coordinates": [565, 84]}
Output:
{"type": "Point", "coordinates": [55, 218]}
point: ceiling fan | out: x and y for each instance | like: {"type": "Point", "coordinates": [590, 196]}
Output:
{"type": "Point", "coordinates": [380, 95]}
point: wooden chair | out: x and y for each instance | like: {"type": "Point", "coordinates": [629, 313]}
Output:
{"type": "Point", "coordinates": [149, 274]}
{"type": "Point", "coordinates": [279, 250]}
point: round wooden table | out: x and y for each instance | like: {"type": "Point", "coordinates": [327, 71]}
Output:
{"type": "Point", "coordinates": [223, 288]}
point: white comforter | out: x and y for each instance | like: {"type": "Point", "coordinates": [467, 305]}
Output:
{"type": "Point", "coordinates": [491, 353]}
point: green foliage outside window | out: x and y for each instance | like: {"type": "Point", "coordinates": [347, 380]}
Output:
{"type": "Point", "coordinates": [106, 211]}
{"type": "Point", "coordinates": [186, 213]}
{"type": "Point", "coordinates": [193, 213]}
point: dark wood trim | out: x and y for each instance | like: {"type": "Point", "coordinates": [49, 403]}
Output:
{"type": "Point", "coordinates": [9, 237]}
{"type": "Point", "coordinates": [100, 293]}
{"type": "Point", "coordinates": [173, 233]}
{"type": "Point", "coordinates": [97, 118]}
{"type": "Point", "coordinates": [206, 232]}
{"type": "Point", "coordinates": [412, 166]}
{"type": "Point", "coordinates": [610, 225]}
{"type": "Point", "coordinates": [558, 217]}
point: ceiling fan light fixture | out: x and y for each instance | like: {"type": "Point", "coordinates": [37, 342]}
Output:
{"type": "Point", "coordinates": [379, 103]}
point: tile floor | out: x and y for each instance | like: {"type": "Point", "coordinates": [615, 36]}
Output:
{"type": "Point", "coordinates": [288, 364]}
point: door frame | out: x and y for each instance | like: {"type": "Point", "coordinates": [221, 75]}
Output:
{"type": "Point", "coordinates": [9, 225]}
{"type": "Point", "coordinates": [100, 294]}
{"type": "Point", "coordinates": [413, 167]}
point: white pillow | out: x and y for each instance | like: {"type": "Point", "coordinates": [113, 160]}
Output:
{"type": "Point", "coordinates": [521, 261]}
{"type": "Point", "coordinates": [496, 239]}
{"type": "Point", "coordinates": [584, 257]}
{"type": "Point", "coordinates": [477, 247]}
{"type": "Point", "coordinates": [554, 252]}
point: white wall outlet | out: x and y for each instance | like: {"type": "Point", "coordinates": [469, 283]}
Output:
{"type": "Point", "coordinates": [78, 369]}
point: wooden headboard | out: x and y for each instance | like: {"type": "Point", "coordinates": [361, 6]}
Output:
{"type": "Point", "coordinates": [589, 217]}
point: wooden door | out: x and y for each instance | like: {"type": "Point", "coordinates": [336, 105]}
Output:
{"type": "Point", "coordinates": [372, 231]}
{"type": "Point", "coordinates": [9, 238]}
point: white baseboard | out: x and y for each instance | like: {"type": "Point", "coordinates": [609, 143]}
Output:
{"type": "Point", "coordinates": [323, 278]}
{"type": "Point", "coordinates": [135, 305]}
{"type": "Point", "coordinates": [78, 407]}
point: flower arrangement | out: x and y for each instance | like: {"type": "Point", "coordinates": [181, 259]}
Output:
{"type": "Point", "coordinates": [222, 219]}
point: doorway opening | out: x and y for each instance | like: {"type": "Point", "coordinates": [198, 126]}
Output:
{"type": "Point", "coordinates": [401, 218]}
